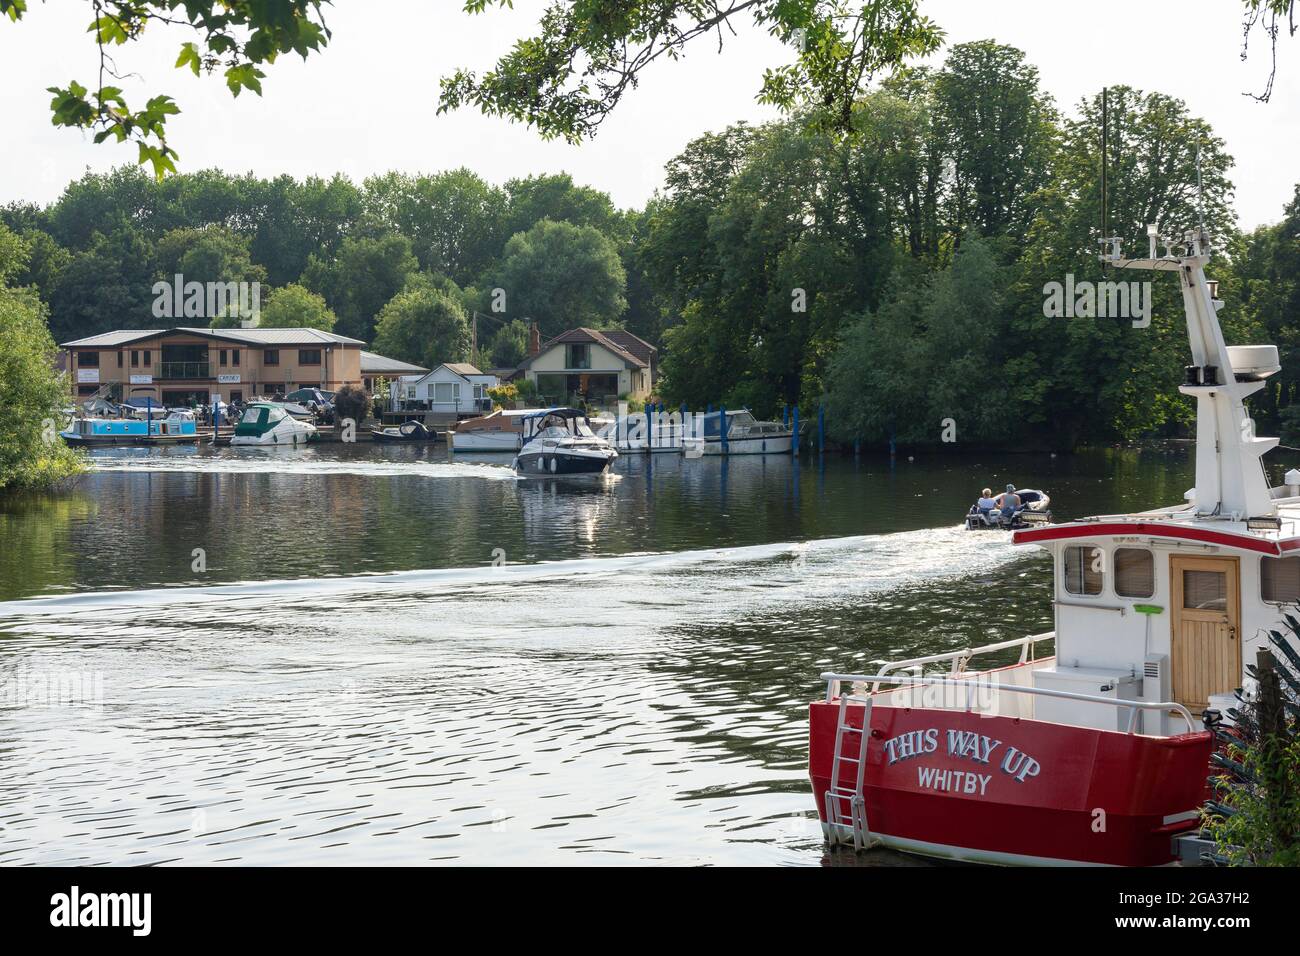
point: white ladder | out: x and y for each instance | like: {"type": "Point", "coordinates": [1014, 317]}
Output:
{"type": "Point", "coordinates": [846, 809]}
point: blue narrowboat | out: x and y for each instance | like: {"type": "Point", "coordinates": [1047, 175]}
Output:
{"type": "Point", "coordinates": [130, 431]}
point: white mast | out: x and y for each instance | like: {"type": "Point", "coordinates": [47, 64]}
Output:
{"type": "Point", "coordinates": [1230, 478]}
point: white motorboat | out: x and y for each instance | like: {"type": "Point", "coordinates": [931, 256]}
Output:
{"type": "Point", "coordinates": [1033, 510]}
{"type": "Point", "coordinates": [268, 423]}
{"type": "Point", "coordinates": [559, 441]}
{"type": "Point", "coordinates": [746, 435]}
{"type": "Point", "coordinates": [499, 431]}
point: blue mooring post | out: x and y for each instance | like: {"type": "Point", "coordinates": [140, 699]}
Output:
{"type": "Point", "coordinates": [681, 429]}
{"type": "Point", "coordinates": [722, 426]}
{"type": "Point", "coordinates": [785, 416]}
{"type": "Point", "coordinates": [794, 424]}
{"type": "Point", "coordinates": [216, 416]}
{"type": "Point", "coordinates": [821, 429]}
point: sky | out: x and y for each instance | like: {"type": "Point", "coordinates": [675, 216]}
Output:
{"type": "Point", "coordinates": [367, 104]}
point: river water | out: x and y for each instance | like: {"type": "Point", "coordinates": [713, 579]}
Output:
{"type": "Point", "coordinates": [356, 654]}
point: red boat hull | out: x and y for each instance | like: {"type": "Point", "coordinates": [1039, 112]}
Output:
{"type": "Point", "coordinates": [1012, 790]}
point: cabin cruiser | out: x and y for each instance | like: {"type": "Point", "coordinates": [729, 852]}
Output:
{"type": "Point", "coordinates": [745, 435]}
{"type": "Point", "coordinates": [1097, 754]}
{"type": "Point", "coordinates": [499, 431]}
{"type": "Point", "coordinates": [559, 441]}
{"type": "Point", "coordinates": [650, 433]}
{"type": "Point", "coordinates": [1033, 510]}
{"type": "Point", "coordinates": [268, 423]}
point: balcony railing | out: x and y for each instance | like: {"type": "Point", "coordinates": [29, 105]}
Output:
{"type": "Point", "coordinates": [185, 370]}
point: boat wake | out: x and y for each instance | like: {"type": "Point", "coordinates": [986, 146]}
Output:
{"type": "Point", "coordinates": [820, 570]}
{"type": "Point", "coordinates": [290, 462]}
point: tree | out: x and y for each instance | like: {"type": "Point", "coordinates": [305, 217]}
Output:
{"type": "Point", "coordinates": [99, 288]}
{"type": "Point", "coordinates": [237, 37]}
{"type": "Point", "coordinates": [351, 401]}
{"type": "Point", "coordinates": [293, 307]}
{"type": "Point", "coordinates": [454, 220]}
{"type": "Point", "coordinates": [362, 277]}
{"type": "Point", "coordinates": [562, 276]}
{"type": "Point", "coordinates": [425, 326]}
{"type": "Point", "coordinates": [509, 345]}
{"type": "Point", "coordinates": [567, 80]}
{"type": "Point", "coordinates": [32, 393]}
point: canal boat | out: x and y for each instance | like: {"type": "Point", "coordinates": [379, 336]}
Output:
{"type": "Point", "coordinates": [559, 441]}
{"type": "Point", "coordinates": [1099, 753]}
{"type": "Point", "coordinates": [746, 435]}
{"type": "Point", "coordinates": [174, 429]}
{"type": "Point", "coordinates": [268, 423]}
{"type": "Point", "coordinates": [1033, 510]}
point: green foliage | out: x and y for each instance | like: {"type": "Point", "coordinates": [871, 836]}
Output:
{"type": "Point", "coordinates": [351, 401]}
{"type": "Point", "coordinates": [509, 345]}
{"type": "Point", "coordinates": [235, 37]}
{"type": "Point", "coordinates": [425, 326]}
{"type": "Point", "coordinates": [562, 276]}
{"type": "Point", "coordinates": [361, 278]}
{"type": "Point", "coordinates": [567, 79]}
{"type": "Point", "coordinates": [294, 307]}
{"type": "Point", "coordinates": [32, 393]}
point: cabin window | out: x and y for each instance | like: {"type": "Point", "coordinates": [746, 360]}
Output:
{"type": "Point", "coordinates": [88, 359]}
{"type": "Point", "coordinates": [1135, 572]}
{"type": "Point", "coordinates": [1082, 567]}
{"type": "Point", "coordinates": [309, 356]}
{"type": "Point", "coordinates": [1279, 580]}
{"type": "Point", "coordinates": [271, 357]}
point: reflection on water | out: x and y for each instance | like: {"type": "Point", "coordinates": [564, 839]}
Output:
{"type": "Point", "coordinates": [425, 659]}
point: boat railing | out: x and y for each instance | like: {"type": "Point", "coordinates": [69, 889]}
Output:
{"type": "Point", "coordinates": [834, 682]}
{"type": "Point", "coordinates": [962, 656]}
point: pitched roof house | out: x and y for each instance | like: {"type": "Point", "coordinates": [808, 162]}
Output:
{"type": "Point", "coordinates": [597, 365]}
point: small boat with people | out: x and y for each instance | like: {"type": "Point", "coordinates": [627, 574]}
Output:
{"type": "Point", "coordinates": [560, 441]}
{"type": "Point", "coordinates": [268, 423]}
{"type": "Point", "coordinates": [745, 435]}
{"type": "Point", "coordinates": [1097, 753]}
{"type": "Point", "coordinates": [405, 432]}
{"type": "Point", "coordinates": [1012, 509]}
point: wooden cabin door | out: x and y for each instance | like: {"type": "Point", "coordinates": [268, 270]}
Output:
{"type": "Point", "coordinates": [1206, 646]}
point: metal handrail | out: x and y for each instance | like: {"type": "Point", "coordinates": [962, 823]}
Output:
{"type": "Point", "coordinates": [833, 680]}
{"type": "Point", "coordinates": [961, 657]}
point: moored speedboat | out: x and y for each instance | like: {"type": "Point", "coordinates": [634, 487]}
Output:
{"type": "Point", "coordinates": [268, 423]}
{"type": "Point", "coordinates": [1095, 755]}
{"type": "Point", "coordinates": [407, 431]}
{"type": "Point", "coordinates": [559, 441]}
{"type": "Point", "coordinates": [746, 435]}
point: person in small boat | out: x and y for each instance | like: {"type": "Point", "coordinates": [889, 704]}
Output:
{"type": "Point", "coordinates": [1008, 502]}
{"type": "Point", "coordinates": [986, 504]}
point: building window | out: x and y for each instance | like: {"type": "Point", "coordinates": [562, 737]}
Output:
{"type": "Point", "coordinates": [309, 356]}
{"type": "Point", "coordinates": [1082, 567]}
{"type": "Point", "coordinates": [1279, 580]}
{"type": "Point", "coordinates": [119, 358]}
{"type": "Point", "coordinates": [221, 358]}
{"type": "Point", "coordinates": [271, 357]}
{"type": "Point", "coordinates": [234, 357]}
{"type": "Point", "coordinates": [236, 395]}
{"type": "Point", "coordinates": [148, 357]}
{"type": "Point", "coordinates": [445, 393]}
{"type": "Point", "coordinates": [1135, 572]}
{"type": "Point", "coordinates": [88, 359]}
{"type": "Point", "coordinates": [135, 359]}
{"type": "Point", "coordinates": [577, 356]}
